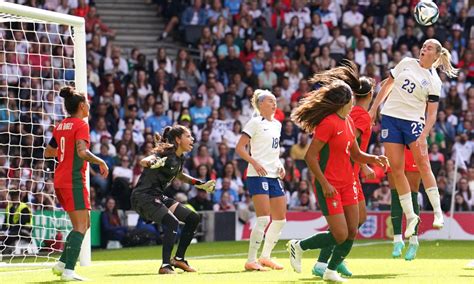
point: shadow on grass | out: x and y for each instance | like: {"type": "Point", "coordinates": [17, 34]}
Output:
{"type": "Point", "coordinates": [132, 274]}
{"type": "Point", "coordinates": [376, 276]}
{"type": "Point", "coordinates": [222, 272]}
{"type": "Point", "coordinates": [466, 276]}
{"type": "Point", "coordinates": [48, 282]}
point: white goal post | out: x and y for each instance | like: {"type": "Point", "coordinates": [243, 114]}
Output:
{"type": "Point", "coordinates": [58, 27]}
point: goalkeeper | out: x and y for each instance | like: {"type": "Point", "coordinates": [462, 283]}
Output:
{"type": "Point", "coordinates": [148, 199]}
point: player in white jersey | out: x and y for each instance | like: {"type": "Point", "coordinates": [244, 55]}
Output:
{"type": "Point", "coordinates": [264, 174]}
{"type": "Point", "coordinates": [413, 88]}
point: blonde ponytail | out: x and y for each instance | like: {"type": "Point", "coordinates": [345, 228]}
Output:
{"type": "Point", "coordinates": [444, 61]}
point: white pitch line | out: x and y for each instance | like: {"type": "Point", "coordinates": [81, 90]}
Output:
{"type": "Point", "coordinates": [103, 263]}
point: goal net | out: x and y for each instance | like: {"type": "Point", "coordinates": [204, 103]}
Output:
{"type": "Point", "coordinates": [40, 52]}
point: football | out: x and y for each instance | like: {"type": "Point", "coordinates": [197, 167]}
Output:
{"type": "Point", "coordinates": [426, 13]}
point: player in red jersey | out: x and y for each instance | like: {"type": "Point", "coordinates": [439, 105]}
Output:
{"type": "Point", "coordinates": [70, 144]}
{"type": "Point", "coordinates": [326, 111]}
{"type": "Point", "coordinates": [362, 88]}
{"type": "Point", "coordinates": [413, 176]}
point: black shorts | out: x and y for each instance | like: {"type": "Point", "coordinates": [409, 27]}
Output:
{"type": "Point", "coordinates": [151, 207]}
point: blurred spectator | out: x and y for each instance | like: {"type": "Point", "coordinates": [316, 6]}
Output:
{"type": "Point", "coordinates": [382, 198]}
{"type": "Point", "coordinates": [226, 187]}
{"type": "Point", "coordinates": [113, 222]}
{"type": "Point", "coordinates": [18, 221]}
{"type": "Point", "coordinates": [201, 201]}
{"type": "Point", "coordinates": [302, 199]}
{"type": "Point", "coordinates": [225, 203]}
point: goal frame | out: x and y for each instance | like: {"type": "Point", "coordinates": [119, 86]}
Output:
{"type": "Point", "coordinates": [80, 67]}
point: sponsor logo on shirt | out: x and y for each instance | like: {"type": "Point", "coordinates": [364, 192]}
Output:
{"type": "Point", "coordinates": [340, 132]}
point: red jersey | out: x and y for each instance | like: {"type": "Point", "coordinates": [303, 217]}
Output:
{"type": "Point", "coordinates": [363, 123]}
{"type": "Point", "coordinates": [334, 158]}
{"type": "Point", "coordinates": [71, 169]}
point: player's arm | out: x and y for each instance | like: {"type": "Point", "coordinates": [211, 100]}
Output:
{"type": "Point", "coordinates": [51, 150]}
{"type": "Point", "coordinates": [208, 186]}
{"type": "Point", "coordinates": [311, 159]}
{"type": "Point", "coordinates": [84, 153]}
{"type": "Point", "coordinates": [367, 171]}
{"type": "Point", "coordinates": [241, 150]}
{"type": "Point", "coordinates": [387, 86]}
{"type": "Point", "coordinates": [431, 113]}
{"type": "Point", "coordinates": [363, 158]}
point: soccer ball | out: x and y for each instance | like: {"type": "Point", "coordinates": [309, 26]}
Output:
{"type": "Point", "coordinates": [426, 13]}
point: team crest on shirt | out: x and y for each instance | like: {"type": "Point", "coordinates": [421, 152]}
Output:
{"type": "Point", "coordinates": [265, 186]}
{"type": "Point", "coordinates": [334, 203]}
{"type": "Point", "coordinates": [384, 133]}
{"type": "Point", "coordinates": [425, 83]}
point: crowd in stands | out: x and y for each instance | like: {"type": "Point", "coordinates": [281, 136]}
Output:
{"type": "Point", "coordinates": [242, 46]}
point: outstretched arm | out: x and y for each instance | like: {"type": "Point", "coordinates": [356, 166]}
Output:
{"type": "Point", "coordinates": [208, 186]}
{"type": "Point", "coordinates": [363, 158]}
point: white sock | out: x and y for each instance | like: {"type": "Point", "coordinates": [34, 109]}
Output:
{"type": "Point", "coordinates": [68, 271]}
{"type": "Point", "coordinates": [433, 196]}
{"type": "Point", "coordinates": [407, 205]}
{"type": "Point", "coordinates": [272, 236]}
{"type": "Point", "coordinates": [414, 240]}
{"type": "Point", "coordinates": [256, 237]}
{"type": "Point", "coordinates": [397, 238]}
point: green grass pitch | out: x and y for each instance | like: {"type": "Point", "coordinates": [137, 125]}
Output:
{"type": "Point", "coordinates": [222, 262]}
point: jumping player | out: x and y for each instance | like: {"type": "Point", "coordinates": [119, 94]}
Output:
{"type": "Point", "coordinates": [262, 132]}
{"type": "Point", "coordinates": [413, 88]}
{"type": "Point", "coordinates": [362, 89]}
{"type": "Point", "coordinates": [148, 199]}
{"type": "Point", "coordinates": [413, 176]}
{"type": "Point", "coordinates": [326, 112]}
{"type": "Point", "coordinates": [70, 144]}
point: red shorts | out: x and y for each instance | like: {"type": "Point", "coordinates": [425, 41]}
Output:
{"type": "Point", "coordinates": [73, 199]}
{"type": "Point", "coordinates": [360, 193]}
{"type": "Point", "coordinates": [345, 196]}
{"type": "Point", "coordinates": [410, 165]}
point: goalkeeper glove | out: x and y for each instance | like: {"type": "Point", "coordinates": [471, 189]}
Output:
{"type": "Point", "coordinates": [158, 163]}
{"type": "Point", "coordinates": [208, 186]}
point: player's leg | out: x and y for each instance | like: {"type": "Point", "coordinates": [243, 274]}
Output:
{"type": "Point", "coordinates": [351, 214]}
{"type": "Point", "coordinates": [429, 183]}
{"type": "Point", "coordinates": [258, 189]}
{"type": "Point", "coordinates": [320, 267]}
{"type": "Point", "coordinates": [333, 211]}
{"type": "Point", "coordinates": [191, 221]}
{"type": "Point", "coordinates": [278, 213]}
{"type": "Point", "coordinates": [72, 248]}
{"type": "Point", "coordinates": [414, 181]}
{"type": "Point", "coordinates": [152, 208]}
{"type": "Point", "coordinates": [396, 156]}
{"type": "Point", "coordinates": [396, 214]}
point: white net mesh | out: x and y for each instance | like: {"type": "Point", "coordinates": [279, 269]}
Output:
{"type": "Point", "coordinates": [36, 60]}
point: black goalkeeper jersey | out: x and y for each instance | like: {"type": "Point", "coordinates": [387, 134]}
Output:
{"type": "Point", "coordinates": [155, 181]}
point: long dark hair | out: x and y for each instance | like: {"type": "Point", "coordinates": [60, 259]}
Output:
{"type": "Point", "coordinates": [361, 86]}
{"type": "Point", "coordinates": [72, 99]}
{"type": "Point", "coordinates": [166, 143]}
{"type": "Point", "coordinates": [320, 103]}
